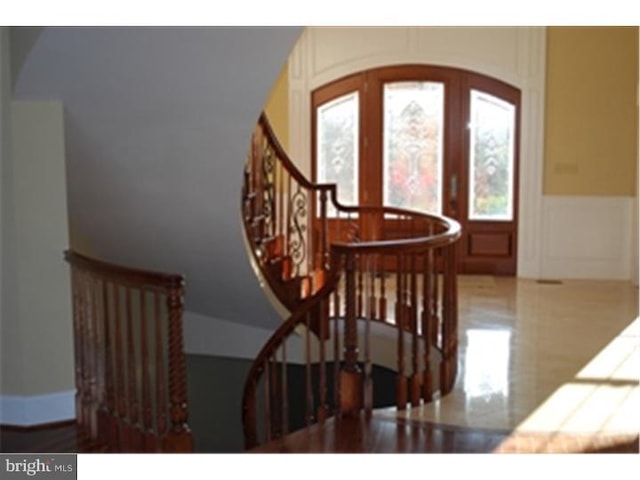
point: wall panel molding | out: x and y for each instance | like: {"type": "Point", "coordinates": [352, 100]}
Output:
{"type": "Point", "coordinates": [587, 237]}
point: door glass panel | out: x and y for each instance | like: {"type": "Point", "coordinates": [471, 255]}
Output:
{"type": "Point", "coordinates": [412, 155]}
{"type": "Point", "coordinates": [337, 147]}
{"type": "Point", "coordinates": [491, 158]}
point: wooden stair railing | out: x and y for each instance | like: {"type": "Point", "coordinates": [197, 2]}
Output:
{"type": "Point", "coordinates": [288, 240]}
{"type": "Point", "coordinates": [130, 371]}
{"type": "Point", "coordinates": [400, 272]}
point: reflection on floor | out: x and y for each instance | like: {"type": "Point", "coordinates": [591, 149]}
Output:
{"type": "Point", "coordinates": [543, 368]}
{"type": "Point", "coordinates": [548, 361]}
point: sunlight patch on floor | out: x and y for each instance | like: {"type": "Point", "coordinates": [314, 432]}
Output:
{"type": "Point", "coordinates": [602, 397]}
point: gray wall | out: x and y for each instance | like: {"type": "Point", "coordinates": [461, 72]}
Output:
{"type": "Point", "coordinates": [6, 329]}
{"type": "Point", "coordinates": [158, 122]}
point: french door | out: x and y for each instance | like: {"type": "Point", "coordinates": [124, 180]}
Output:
{"type": "Point", "coordinates": [432, 139]}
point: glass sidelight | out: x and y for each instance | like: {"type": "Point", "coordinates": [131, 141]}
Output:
{"type": "Point", "coordinates": [337, 146]}
{"type": "Point", "coordinates": [491, 158]}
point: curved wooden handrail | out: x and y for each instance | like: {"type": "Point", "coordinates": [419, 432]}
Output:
{"type": "Point", "coordinates": [263, 121]}
{"type": "Point", "coordinates": [124, 273]}
{"type": "Point", "coordinates": [451, 234]}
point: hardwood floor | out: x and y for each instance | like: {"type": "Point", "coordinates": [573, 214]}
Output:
{"type": "Point", "coordinates": [384, 435]}
{"type": "Point", "coordinates": [54, 438]}
{"type": "Point", "coordinates": [380, 434]}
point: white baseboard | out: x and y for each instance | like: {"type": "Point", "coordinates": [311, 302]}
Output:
{"type": "Point", "coordinates": [587, 237]}
{"type": "Point", "coordinates": [27, 411]}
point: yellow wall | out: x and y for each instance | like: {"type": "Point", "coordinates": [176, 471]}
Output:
{"type": "Point", "coordinates": [277, 107]}
{"type": "Point", "coordinates": [591, 125]}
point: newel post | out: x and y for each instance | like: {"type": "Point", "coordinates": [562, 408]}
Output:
{"type": "Point", "coordinates": [179, 438]}
{"type": "Point", "coordinates": [350, 375]}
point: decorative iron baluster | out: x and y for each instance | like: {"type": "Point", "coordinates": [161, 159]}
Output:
{"type": "Point", "coordinates": [297, 229]}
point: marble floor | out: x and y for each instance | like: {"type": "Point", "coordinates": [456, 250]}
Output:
{"type": "Point", "coordinates": [544, 357]}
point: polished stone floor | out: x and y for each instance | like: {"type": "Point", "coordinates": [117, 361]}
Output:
{"type": "Point", "coordinates": [544, 360]}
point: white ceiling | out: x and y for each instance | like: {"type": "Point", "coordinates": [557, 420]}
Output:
{"type": "Point", "coordinates": [157, 129]}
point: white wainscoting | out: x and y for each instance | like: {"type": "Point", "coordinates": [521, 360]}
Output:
{"type": "Point", "coordinates": [587, 237]}
{"type": "Point", "coordinates": [26, 411]}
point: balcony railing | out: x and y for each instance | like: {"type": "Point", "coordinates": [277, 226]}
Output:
{"type": "Point", "coordinates": [131, 388]}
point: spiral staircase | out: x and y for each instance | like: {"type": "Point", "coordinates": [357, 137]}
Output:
{"type": "Point", "coordinates": [343, 273]}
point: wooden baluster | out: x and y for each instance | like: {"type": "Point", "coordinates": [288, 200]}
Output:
{"type": "Point", "coordinates": [259, 176]}
{"type": "Point", "coordinates": [252, 163]}
{"type": "Point", "coordinates": [337, 310]}
{"type": "Point", "coordinates": [97, 380]}
{"type": "Point", "coordinates": [77, 346]}
{"type": "Point", "coordinates": [267, 402]}
{"type": "Point", "coordinates": [310, 246]}
{"type": "Point", "coordinates": [85, 356]}
{"type": "Point", "coordinates": [162, 403]}
{"type": "Point", "coordinates": [435, 297]}
{"type": "Point", "coordinates": [308, 379]}
{"type": "Point", "coordinates": [383, 292]}
{"type": "Point", "coordinates": [370, 302]}
{"type": "Point", "coordinates": [89, 352]}
{"type": "Point", "coordinates": [282, 219]}
{"type": "Point", "coordinates": [361, 292]}
{"type": "Point", "coordinates": [278, 217]}
{"type": "Point", "coordinates": [401, 381]}
{"type": "Point", "coordinates": [148, 443]}
{"type": "Point", "coordinates": [324, 235]}
{"type": "Point", "coordinates": [89, 357]}
{"type": "Point", "coordinates": [132, 394]}
{"type": "Point", "coordinates": [108, 415]}
{"type": "Point", "coordinates": [285, 393]}
{"type": "Point", "coordinates": [286, 269]}
{"type": "Point", "coordinates": [249, 417]}
{"type": "Point", "coordinates": [255, 168]}
{"type": "Point", "coordinates": [276, 401]}
{"type": "Point", "coordinates": [82, 354]}
{"type": "Point", "coordinates": [284, 201]}
{"type": "Point", "coordinates": [180, 435]}
{"type": "Point", "coordinates": [336, 349]}
{"type": "Point", "coordinates": [323, 412]}
{"type": "Point", "coordinates": [415, 379]}
{"type": "Point", "coordinates": [121, 392]}
{"type": "Point", "coordinates": [350, 376]}
{"type": "Point", "coordinates": [427, 381]}
{"type": "Point", "coordinates": [449, 331]}
{"type": "Point", "coordinates": [246, 198]}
